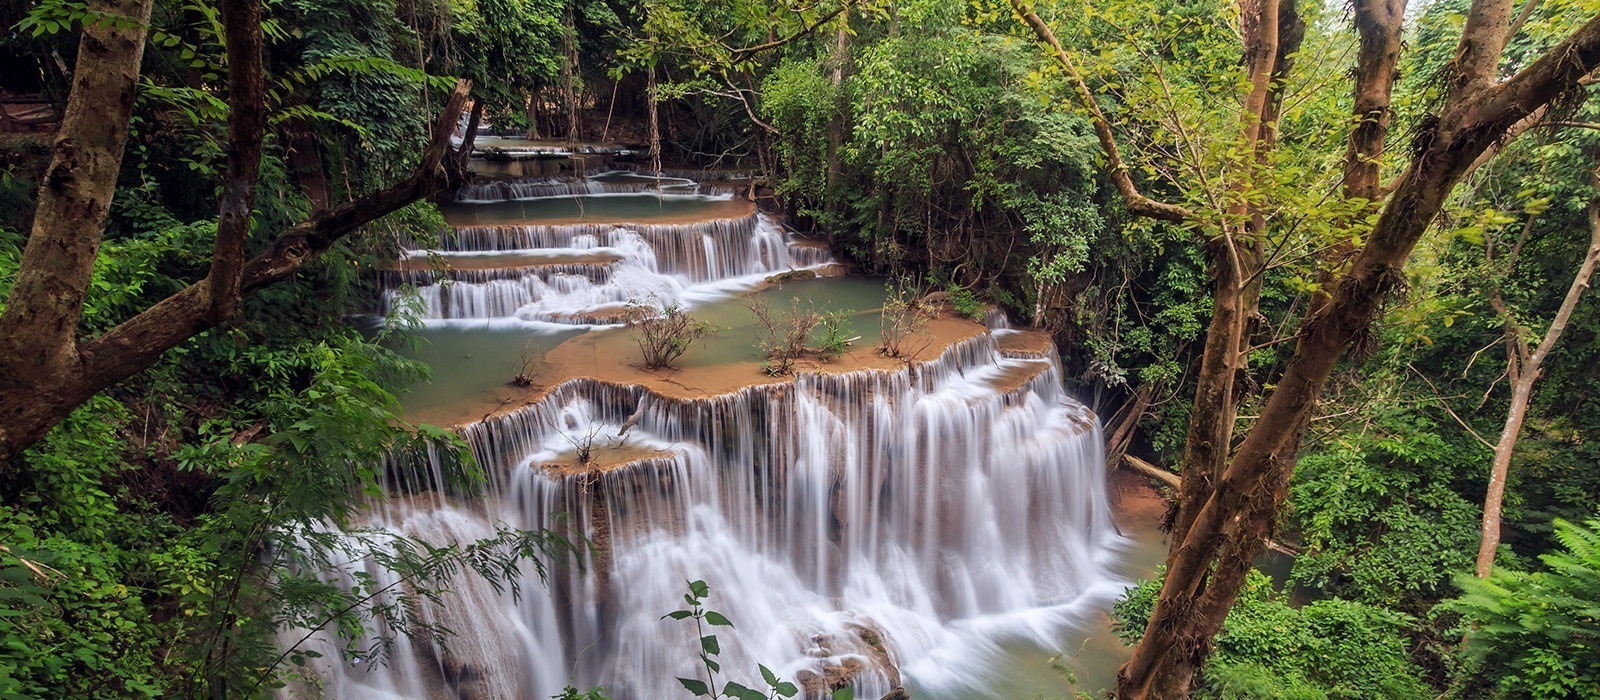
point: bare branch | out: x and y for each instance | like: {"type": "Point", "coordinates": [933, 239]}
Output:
{"type": "Point", "coordinates": [748, 52]}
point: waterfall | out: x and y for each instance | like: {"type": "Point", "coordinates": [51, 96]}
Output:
{"type": "Point", "coordinates": [872, 527]}
{"type": "Point", "coordinates": [648, 261]}
{"type": "Point", "coordinates": [607, 182]}
{"type": "Point", "coordinates": [869, 528]}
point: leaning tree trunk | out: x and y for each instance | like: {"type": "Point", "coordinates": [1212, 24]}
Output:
{"type": "Point", "coordinates": [1525, 371]}
{"type": "Point", "coordinates": [39, 326]}
{"type": "Point", "coordinates": [1207, 570]}
{"type": "Point", "coordinates": [46, 370]}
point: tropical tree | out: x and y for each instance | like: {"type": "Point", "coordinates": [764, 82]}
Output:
{"type": "Point", "coordinates": [1232, 493]}
{"type": "Point", "coordinates": [46, 369]}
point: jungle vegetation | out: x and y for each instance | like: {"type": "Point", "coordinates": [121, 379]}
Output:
{"type": "Point", "coordinates": [1327, 263]}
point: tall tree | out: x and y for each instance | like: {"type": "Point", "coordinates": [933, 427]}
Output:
{"type": "Point", "coordinates": [46, 369]}
{"type": "Point", "coordinates": [1230, 496]}
{"type": "Point", "coordinates": [1524, 363]}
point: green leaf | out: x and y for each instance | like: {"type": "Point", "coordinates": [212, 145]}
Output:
{"type": "Point", "coordinates": [845, 693]}
{"type": "Point", "coordinates": [699, 589]}
{"type": "Point", "coordinates": [767, 675]}
{"type": "Point", "coordinates": [715, 618]}
{"type": "Point", "coordinates": [734, 690]}
{"type": "Point", "coordinates": [709, 644]}
{"type": "Point", "coordinates": [695, 686]}
{"type": "Point", "coordinates": [677, 614]}
{"type": "Point", "coordinates": [786, 689]}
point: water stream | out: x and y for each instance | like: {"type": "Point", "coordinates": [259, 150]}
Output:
{"type": "Point", "coordinates": [941, 524]}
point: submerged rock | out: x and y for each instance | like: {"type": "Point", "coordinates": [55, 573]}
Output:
{"type": "Point", "coordinates": [792, 275]}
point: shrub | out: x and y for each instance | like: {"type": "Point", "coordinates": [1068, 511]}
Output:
{"type": "Point", "coordinates": [1335, 649]}
{"type": "Point", "coordinates": [904, 314]}
{"type": "Point", "coordinates": [1537, 634]}
{"type": "Point", "coordinates": [965, 302]}
{"type": "Point", "coordinates": [784, 338]}
{"type": "Point", "coordinates": [664, 331]}
{"type": "Point", "coordinates": [835, 330]}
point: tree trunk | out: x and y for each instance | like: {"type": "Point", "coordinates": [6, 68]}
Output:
{"type": "Point", "coordinates": [1524, 373]}
{"type": "Point", "coordinates": [839, 121]}
{"type": "Point", "coordinates": [569, 74]}
{"type": "Point", "coordinates": [655, 124]}
{"type": "Point", "coordinates": [306, 163]}
{"type": "Point", "coordinates": [1230, 528]}
{"type": "Point", "coordinates": [45, 370]}
{"type": "Point", "coordinates": [40, 321]}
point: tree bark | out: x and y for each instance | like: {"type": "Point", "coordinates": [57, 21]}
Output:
{"type": "Point", "coordinates": [1226, 514]}
{"type": "Point", "coordinates": [1230, 528]}
{"type": "Point", "coordinates": [655, 124]}
{"type": "Point", "coordinates": [1524, 367]}
{"type": "Point", "coordinates": [41, 315]}
{"type": "Point", "coordinates": [45, 370]}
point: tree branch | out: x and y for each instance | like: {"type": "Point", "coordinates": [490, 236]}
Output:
{"type": "Point", "coordinates": [1483, 39]}
{"type": "Point", "coordinates": [1522, 18]}
{"type": "Point", "coordinates": [137, 342]}
{"type": "Point", "coordinates": [748, 52]}
{"type": "Point", "coordinates": [1136, 202]}
{"type": "Point", "coordinates": [1561, 68]}
{"type": "Point", "coordinates": [1380, 24]}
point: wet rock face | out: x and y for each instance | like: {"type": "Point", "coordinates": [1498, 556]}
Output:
{"type": "Point", "coordinates": [863, 652]}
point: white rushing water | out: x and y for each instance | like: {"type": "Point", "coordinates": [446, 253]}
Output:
{"type": "Point", "coordinates": [606, 182]}
{"type": "Point", "coordinates": [671, 263]}
{"type": "Point", "coordinates": [875, 528]}
{"type": "Point", "coordinates": [924, 509]}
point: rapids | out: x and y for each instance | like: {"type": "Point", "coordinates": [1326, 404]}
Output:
{"type": "Point", "coordinates": [873, 527]}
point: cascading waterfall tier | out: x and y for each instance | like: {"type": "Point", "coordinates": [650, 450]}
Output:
{"type": "Point", "coordinates": [659, 262]}
{"type": "Point", "coordinates": [607, 182]}
{"type": "Point", "coordinates": [865, 528]}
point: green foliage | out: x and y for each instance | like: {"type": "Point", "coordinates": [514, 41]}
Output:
{"type": "Point", "coordinates": [834, 329]}
{"type": "Point", "coordinates": [710, 648]}
{"type": "Point", "coordinates": [964, 302]}
{"type": "Point", "coordinates": [1536, 634]}
{"type": "Point", "coordinates": [76, 575]}
{"type": "Point", "coordinates": [571, 693]}
{"type": "Point", "coordinates": [510, 47]}
{"type": "Point", "coordinates": [1328, 649]}
{"type": "Point", "coordinates": [1376, 513]}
